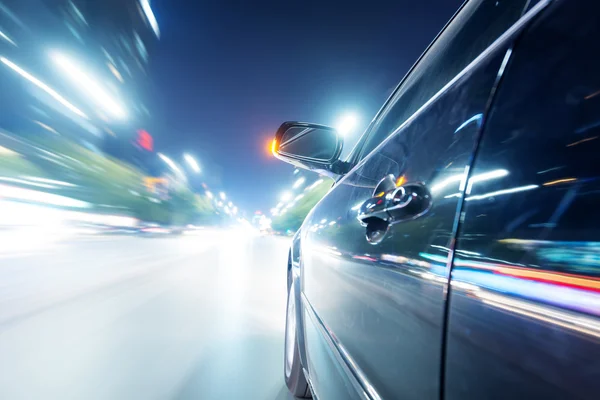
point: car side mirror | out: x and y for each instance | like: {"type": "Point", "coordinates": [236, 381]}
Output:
{"type": "Point", "coordinates": [309, 146]}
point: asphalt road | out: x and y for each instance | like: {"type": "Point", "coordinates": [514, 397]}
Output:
{"type": "Point", "coordinates": [121, 317]}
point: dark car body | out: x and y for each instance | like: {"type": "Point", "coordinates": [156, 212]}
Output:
{"type": "Point", "coordinates": [491, 290]}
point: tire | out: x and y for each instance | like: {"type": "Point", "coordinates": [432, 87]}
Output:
{"type": "Point", "coordinates": [292, 367]}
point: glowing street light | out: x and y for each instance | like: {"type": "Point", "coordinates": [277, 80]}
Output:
{"type": "Point", "coordinates": [192, 163]}
{"type": "Point", "coordinates": [285, 196]}
{"type": "Point", "coordinates": [347, 123]}
{"type": "Point", "coordinates": [222, 195]}
{"type": "Point", "coordinates": [150, 15]}
{"type": "Point", "coordinates": [171, 164]}
{"type": "Point", "coordinates": [42, 86]}
{"type": "Point", "coordinates": [88, 85]}
{"type": "Point", "coordinates": [299, 182]}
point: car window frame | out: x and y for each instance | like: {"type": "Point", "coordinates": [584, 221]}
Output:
{"type": "Point", "coordinates": [354, 155]}
{"type": "Point", "coordinates": [357, 154]}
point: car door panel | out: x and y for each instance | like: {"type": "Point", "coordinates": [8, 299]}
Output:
{"type": "Point", "coordinates": [384, 304]}
{"type": "Point", "coordinates": [524, 316]}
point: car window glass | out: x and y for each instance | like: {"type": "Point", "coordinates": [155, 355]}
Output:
{"type": "Point", "coordinates": [477, 25]}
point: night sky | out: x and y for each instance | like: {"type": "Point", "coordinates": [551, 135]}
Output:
{"type": "Point", "coordinates": [225, 75]}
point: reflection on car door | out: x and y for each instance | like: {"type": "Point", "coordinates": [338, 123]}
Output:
{"type": "Point", "coordinates": [382, 306]}
{"type": "Point", "coordinates": [525, 293]}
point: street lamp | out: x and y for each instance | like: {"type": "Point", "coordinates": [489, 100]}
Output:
{"type": "Point", "coordinates": [191, 162]}
{"type": "Point", "coordinates": [285, 196]}
{"type": "Point", "coordinates": [347, 123]}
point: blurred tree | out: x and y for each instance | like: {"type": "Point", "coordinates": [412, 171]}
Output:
{"type": "Point", "coordinates": [294, 216]}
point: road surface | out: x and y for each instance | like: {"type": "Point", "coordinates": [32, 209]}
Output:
{"type": "Point", "coordinates": [123, 317]}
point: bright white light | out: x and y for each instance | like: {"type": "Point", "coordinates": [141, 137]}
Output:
{"type": "Point", "coordinates": [150, 15]}
{"type": "Point", "coordinates": [298, 197]}
{"type": "Point", "coordinates": [299, 182]}
{"type": "Point", "coordinates": [42, 86]}
{"type": "Point", "coordinates": [285, 196]}
{"type": "Point", "coordinates": [5, 37]}
{"type": "Point", "coordinates": [357, 206]}
{"type": "Point", "coordinates": [230, 204]}
{"type": "Point", "coordinates": [11, 192]}
{"type": "Point", "coordinates": [451, 179]}
{"type": "Point", "coordinates": [332, 223]}
{"type": "Point", "coordinates": [324, 220]}
{"type": "Point", "coordinates": [50, 181]}
{"type": "Point", "coordinates": [222, 195]}
{"type": "Point", "coordinates": [170, 163]}
{"type": "Point", "coordinates": [209, 194]}
{"type": "Point", "coordinates": [234, 210]}
{"type": "Point", "coordinates": [226, 209]}
{"type": "Point", "coordinates": [220, 204]}
{"type": "Point", "coordinates": [315, 184]}
{"type": "Point", "coordinates": [88, 85]}
{"type": "Point", "coordinates": [279, 204]}
{"type": "Point", "coordinates": [497, 173]}
{"type": "Point", "coordinates": [346, 124]}
{"type": "Point", "coordinates": [192, 163]}
{"type": "Point", "coordinates": [501, 192]}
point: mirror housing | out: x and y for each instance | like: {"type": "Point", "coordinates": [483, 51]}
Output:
{"type": "Point", "coordinates": [309, 146]}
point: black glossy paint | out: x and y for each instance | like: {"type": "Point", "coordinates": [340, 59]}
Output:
{"type": "Point", "coordinates": [509, 154]}
{"type": "Point", "coordinates": [385, 303]}
{"type": "Point", "coordinates": [525, 298]}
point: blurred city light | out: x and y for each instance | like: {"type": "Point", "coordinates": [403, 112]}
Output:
{"type": "Point", "coordinates": [150, 15]}
{"type": "Point", "coordinates": [88, 85]}
{"type": "Point", "coordinates": [5, 37]}
{"type": "Point", "coordinates": [16, 193]}
{"type": "Point", "coordinates": [209, 194]}
{"type": "Point", "coordinates": [171, 164]}
{"type": "Point", "coordinates": [230, 204]}
{"type": "Point", "coordinates": [42, 86]}
{"type": "Point", "coordinates": [192, 163]}
{"type": "Point", "coordinates": [222, 195]}
{"type": "Point", "coordinates": [273, 146]}
{"type": "Point", "coordinates": [285, 196]}
{"type": "Point", "coordinates": [299, 182]}
{"type": "Point", "coordinates": [347, 123]}
{"type": "Point", "coordinates": [315, 184]}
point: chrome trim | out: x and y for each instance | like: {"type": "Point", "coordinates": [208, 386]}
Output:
{"type": "Point", "coordinates": [357, 377]}
{"type": "Point", "coordinates": [310, 384]}
{"type": "Point", "coordinates": [520, 23]}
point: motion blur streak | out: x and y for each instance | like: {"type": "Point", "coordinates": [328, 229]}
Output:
{"type": "Point", "coordinates": [106, 307]}
{"type": "Point", "coordinates": [150, 15]}
{"type": "Point", "coordinates": [88, 85]}
{"type": "Point", "coordinates": [42, 86]}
